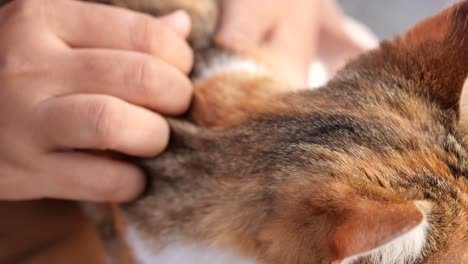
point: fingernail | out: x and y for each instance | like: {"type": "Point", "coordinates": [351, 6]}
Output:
{"type": "Point", "coordinates": [178, 20]}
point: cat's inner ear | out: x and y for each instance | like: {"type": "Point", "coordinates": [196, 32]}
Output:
{"type": "Point", "coordinates": [464, 104]}
{"type": "Point", "coordinates": [380, 231]}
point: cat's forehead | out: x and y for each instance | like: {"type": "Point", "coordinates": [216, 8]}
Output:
{"type": "Point", "coordinates": [350, 123]}
{"type": "Point", "coordinates": [355, 136]}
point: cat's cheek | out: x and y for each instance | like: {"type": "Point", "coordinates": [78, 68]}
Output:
{"type": "Point", "coordinates": [180, 252]}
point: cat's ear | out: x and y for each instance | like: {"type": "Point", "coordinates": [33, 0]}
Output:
{"type": "Point", "coordinates": [370, 228]}
{"type": "Point", "coordinates": [434, 55]}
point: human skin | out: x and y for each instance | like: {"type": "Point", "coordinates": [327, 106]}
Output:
{"type": "Point", "coordinates": [299, 30]}
{"type": "Point", "coordinates": [79, 76]}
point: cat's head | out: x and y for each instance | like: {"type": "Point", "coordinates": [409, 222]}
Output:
{"type": "Point", "coordinates": [387, 153]}
{"type": "Point", "coordinates": [372, 168]}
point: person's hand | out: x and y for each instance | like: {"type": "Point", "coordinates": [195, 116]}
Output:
{"type": "Point", "coordinates": [78, 76]}
{"type": "Point", "coordinates": [298, 30]}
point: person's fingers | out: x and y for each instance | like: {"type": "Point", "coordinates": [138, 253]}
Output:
{"type": "Point", "coordinates": [245, 23]}
{"type": "Point", "coordinates": [88, 121]}
{"type": "Point", "coordinates": [136, 78]}
{"type": "Point", "coordinates": [83, 176]}
{"type": "Point", "coordinates": [88, 25]}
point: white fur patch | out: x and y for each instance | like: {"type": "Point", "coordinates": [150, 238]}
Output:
{"type": "Point", "coordinates": [181, 253]}
{"type": "Point", "coordinates": [404, 249]}
{"type": "Point", "coordinates": [225, 64]}
{"type": "Point", "coordinates": [318, 75]}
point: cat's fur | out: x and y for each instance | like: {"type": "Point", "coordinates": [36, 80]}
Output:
{"type": "Point", "coordinates": [371, 168]}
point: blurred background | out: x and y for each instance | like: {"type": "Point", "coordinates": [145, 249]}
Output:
{"type": "Point", "coordinates": [387, 18]}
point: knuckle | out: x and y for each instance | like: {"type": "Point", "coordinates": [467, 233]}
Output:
{"type": "Point", "coordinates": [13, 65]}
{"type": "Point", "coordinates": [27, 9]}
{"type": "Point", "coordinates": [19, 6]}
{"type": "Point", "coordinates": [31, 14]}
{"type": "Point", "coordinates": [144, 81]}
{"type": "Point", "coordinates": [146, 30]}
{"type": "Point", "coordinates": [102, 115]}
{"type": "Point", "coordinates": [152, 37]}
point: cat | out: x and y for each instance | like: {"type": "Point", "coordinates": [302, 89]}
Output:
{"type": "Point", "coordinates": [370, 168]}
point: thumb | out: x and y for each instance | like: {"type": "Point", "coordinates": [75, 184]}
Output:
{"type": "Point", "coordinates": [245, 23]}
{"type": "Point", "coordinates": [341, 37]}
{"type": "Point", "coordinates": [179, 21]}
